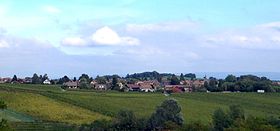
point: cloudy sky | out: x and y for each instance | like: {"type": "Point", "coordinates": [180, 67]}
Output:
{"type": "Point", "coordinates": [70, 37]}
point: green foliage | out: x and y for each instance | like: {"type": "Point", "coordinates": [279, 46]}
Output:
{"type": "Point", "coordinates": [169, 110]}
{"type": "Point", "coordinates": [196, 126]}
{"type": "Point", "coordinates": [231, 78]}
{"type": "Point", "coordinates": [115, 81]}
{"type": "Point", "coordinates": [85, 77]}
{"type": "Point", "coordinates": [174, 80]}
{"type": "Point", "coordinates": [3, 105]}
{"type": "Point", "coordinates": [145, 76]}
{"type": "Point", "coordinates": [220, 120]}
{"type": "Point", "coordinates": [98, 125]}
{"type": "Point", "coordinates": [4, 126]}
{"type": "Point", "coordinates": [182, 78]}
{"type": "Point", "coordinates": [15, 79]}
{"type": "Point", "coordinates": [101, 80]}
{"type": "Point", "coordinates": [84, 84]}
{"type": "Point", "coordinates": [125, 120]}
{"type": "Point", "coordinates": [36, 79]}
{"type": "Point", "coordinates": [63, 80]}
{"type": "Point", "coordinates": [190, 75]}
{"type": "Point", "coordinates": [236, 112]}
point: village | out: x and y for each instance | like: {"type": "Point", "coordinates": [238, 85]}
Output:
{"type": "Point", "coordinates": [150, 82]}
{"type": "Point", "coordinates": [167, 84]}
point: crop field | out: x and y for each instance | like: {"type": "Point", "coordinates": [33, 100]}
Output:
{"type": "Point", "coordinates": [47, 109]}
{"type": "Point", "coordinates": [195, 106]}
{"type": "Point", "coordinates": [11, 115]}
{"type": "Point", "coordinates": [77, 107]}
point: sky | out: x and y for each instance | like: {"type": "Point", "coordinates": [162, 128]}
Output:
{"type": "Point", "coordinates": [70, 37]}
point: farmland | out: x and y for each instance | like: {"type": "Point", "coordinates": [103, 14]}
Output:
{"type": "Point", "coordinates": [50, 103]}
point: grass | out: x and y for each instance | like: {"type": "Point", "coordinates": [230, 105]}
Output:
{"type": "Point", "coordinates": [13, 116]}
{"type": "Point", "coordinates": [195, 106]}
{"type": "Point", "coordinates": [48, 109]}
{"type": "Point", "coordinates": [32, 87]}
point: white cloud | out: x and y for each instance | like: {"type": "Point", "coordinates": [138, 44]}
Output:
{"type": "Point", "coordinates": [51, 9]}
{"type": "Point", "coordinates": [171, 26]}
{"type": "Point", "coordinates": [2, 10]}
{"type": "Point", "coordinates": [265, 36]}
{"type": "Point", "coordinates": [3, 44]}
{"type": "Point", "coordinates": [107, 36]}
{"type": "Point", "coordinates": [73, 41]}
{"type": "Point", "coordinates": [272, 25]}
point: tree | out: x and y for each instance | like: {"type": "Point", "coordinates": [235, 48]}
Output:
{"type": "Point", "coordinates": [125, 120]}
{"type": "Point", "coordinates": [174, 80]}
{"type": "Point", "coordinates": [75, 79]}
{"type": "Point", "coordinates": [190, 75]}
{"type": "Point", "coordinates": [115, 85]}
{"type": "Point", "coordinates": [101, 80]}
{"type": "Point", "coordinates": [220, 120]}
{"type": "Point", "coordinates": [85, 76]}
{"type": "Point", "coordinates": [3, 105]}
{"type": "Point", "coordinates": [45, 77]}
{"type": "Point", "coordinates": [196, 126]}
{"type": "Point", "coordinates": [4, 123]}
{"type": "Point", "coordinates": [84, 84]}
{"type": "Point", "coordinates": [4, 126]}
{"type": "Point", "coordinates": [36, 79]}
{"type": "Point", "coordinates": [182, 78]}
{"type": "Point", "coordinates": [64, 79]}
{"type": "Point", "coordinates": [168, 111]}
{"type": "Point", "coordinates": [231, 78]}
{"type": "Point", "coordinates": [15, 79]}
{"type": "Point", "coordinates": [236, 112]}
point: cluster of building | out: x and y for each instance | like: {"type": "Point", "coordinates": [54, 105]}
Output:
{"type": "Point", "coordinates": [143, 86]}
{"type": "Point", "coordinates": [26, 80]}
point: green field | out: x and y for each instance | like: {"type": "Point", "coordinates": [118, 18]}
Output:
{"type": "Point", "coordinates": [77, 107]}
{"type": "Point", "coordinates": [47, 109]}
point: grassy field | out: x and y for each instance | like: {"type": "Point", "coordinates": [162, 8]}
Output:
{"type": "Point", "coordinates": [195, 106]}
{"type": "Point", "coordinates": [48, 109]}
{"type": "Point", "coordinates": [11, 115]}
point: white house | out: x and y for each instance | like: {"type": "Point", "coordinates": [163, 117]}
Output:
{"type": "Point", "coordinates": [260, 91]}
{"type": "Point", "coordinates": [47, 82]}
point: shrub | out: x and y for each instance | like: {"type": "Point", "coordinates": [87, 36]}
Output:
{"type": "Point", "coordinates": [168, 111]}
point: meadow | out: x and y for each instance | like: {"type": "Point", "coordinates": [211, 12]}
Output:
{"type": "Point", "coordinates": [77, 107]}
{"type": "Point", "coordinates": [43, 108]}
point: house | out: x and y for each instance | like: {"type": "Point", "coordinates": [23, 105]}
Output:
{"type": "Point", "coordinates": [47, 82]}
{"type": "Point", "coordinates": [5, 80]}
{"type": "Point", "coordinates": [133, 87]}
{"type": "Point", "coordinates": [100, 87]}
{"type": "Point", "coordinates": [177, 88]}
{"type": "Point", "coordinates": [147, 87]}
{"type": "Point", "coordinates": [71, 85]}
{"type": "Point", "coordinates": [27, 80]}
{"type": "Point", "coordinates": [260, 91]}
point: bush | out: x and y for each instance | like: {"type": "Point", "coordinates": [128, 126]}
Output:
{"type": "Point", "coordinates": [196, 126]}
{"type": "Point", "coordinates": [125, 120]}
{"type": "Point", "coordinates": [168, 111]}
{"type": "Point", "coordinates": [4, 126]}
{"type": "Point", "coordinates": [220, 120]}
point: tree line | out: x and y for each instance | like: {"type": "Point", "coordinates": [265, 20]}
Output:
{"type": "Point", "coordinates": [244, 83]}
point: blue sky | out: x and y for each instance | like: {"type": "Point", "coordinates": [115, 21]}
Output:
{"type": "Point", "coordinates": [67, 37]}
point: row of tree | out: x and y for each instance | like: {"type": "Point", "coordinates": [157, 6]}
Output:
{"type": "Point", "coordinates": [158, 76]}
{"type": "Point", "coordinates": [245, 83]}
